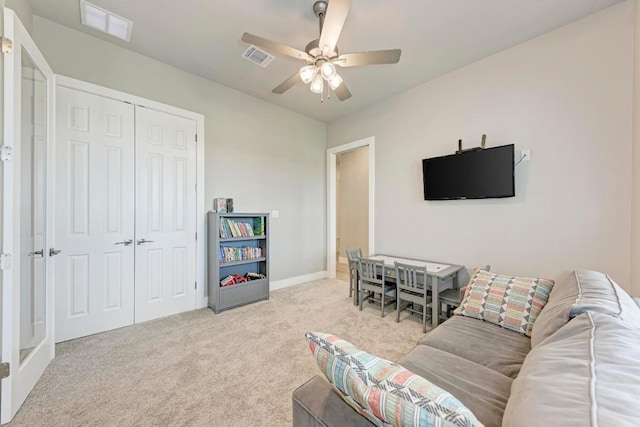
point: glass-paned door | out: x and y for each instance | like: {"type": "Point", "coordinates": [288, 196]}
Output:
{"type": "Point", "coordinates": [27, 303]}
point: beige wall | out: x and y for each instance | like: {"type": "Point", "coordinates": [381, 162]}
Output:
{"type": "Point", "coordinates": [635, 212]}
{"type": "Point", "coordinates": [566, 96]}
{"type": "Point", "coordinates": [353, 201]}
{"type": "Point", "coordinates": [261, 155]}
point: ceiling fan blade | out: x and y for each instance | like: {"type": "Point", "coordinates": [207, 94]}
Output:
{"type": "Point", "coordinates": [287, 84]}
{"type": "Point", "coordinates": [342, 92]}
{"type": "Point", "coordinates": [337, 11]}
{"type": "Point", "coordinates": [359, 59]}
{"type": "Point", "coordinates": [276, 47]}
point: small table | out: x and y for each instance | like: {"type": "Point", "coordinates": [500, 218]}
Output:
{"type": "Point", "coordinates": [443, 276]}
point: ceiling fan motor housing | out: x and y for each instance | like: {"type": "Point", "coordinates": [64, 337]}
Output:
{"type": "Point", "coordinates": [313, 49]}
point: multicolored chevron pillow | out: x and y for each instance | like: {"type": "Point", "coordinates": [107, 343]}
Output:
{"type": "Point", "coordinates": [511, 302]}
{"type": "Point", "coordinates": [384, 392]}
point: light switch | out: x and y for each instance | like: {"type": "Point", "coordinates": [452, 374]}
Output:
{"type": "Point", "coordinates": [275, 214]}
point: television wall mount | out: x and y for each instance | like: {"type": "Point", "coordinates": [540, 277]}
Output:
{"type": "Point", "coordinates": [482, 145]}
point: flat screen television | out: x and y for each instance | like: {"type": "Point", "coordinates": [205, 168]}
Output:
{"type": "Point", "coordinates": [477, 174]}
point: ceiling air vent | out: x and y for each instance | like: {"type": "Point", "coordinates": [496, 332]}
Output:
{"type": "Point", "coordinates": [258, 56]}
{"type": "Point", "coordinates": [102, 20]}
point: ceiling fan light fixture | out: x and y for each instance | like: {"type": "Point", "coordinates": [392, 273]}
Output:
{"type": "Point", "coordinates": [328, 71]}
{"type": "Point", "coordinates": [317, 85]}
{"type": "Point", "coordinates": [307, 73]}
{"type": "Point", "coordinates": [335, 82]}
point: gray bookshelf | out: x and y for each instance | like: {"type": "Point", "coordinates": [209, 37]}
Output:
{"type": "Point", "coordinates": [225, 297]}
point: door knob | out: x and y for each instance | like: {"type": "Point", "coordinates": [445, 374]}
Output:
{"type": "Point", "coordinates": [141, 241]}
{"type": "Point", "coordinates": [124, 242]}
{"type": "Point", "coordinates": [39, 253]}
{"type": "Point", "coordinates": [54, 251]}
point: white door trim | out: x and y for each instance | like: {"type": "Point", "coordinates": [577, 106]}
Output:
{"type": "Point", "coordinates": [201, 209]}
{"type": "Point", "coordinates": [331, 197]}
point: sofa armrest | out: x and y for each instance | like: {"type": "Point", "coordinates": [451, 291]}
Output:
{"type": "Point", "coordinates": [316, 404]}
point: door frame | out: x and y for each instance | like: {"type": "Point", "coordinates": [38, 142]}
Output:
{"type": "Point", "coordinates": [332, 202]}
{"type": "Point", "coordinates": [201, 210]}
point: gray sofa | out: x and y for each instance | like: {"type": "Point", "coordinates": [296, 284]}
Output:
{"type": "Point", "coordinates": [583, 368]}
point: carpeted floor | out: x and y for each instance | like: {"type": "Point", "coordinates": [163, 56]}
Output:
{"type": "Point", "coordinates": [237, 368]}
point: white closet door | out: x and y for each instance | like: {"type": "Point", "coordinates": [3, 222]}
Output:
{"type": "Point", "coordinates": [165, 214]}
{"type": "Point", "coordinates": [94, 215]}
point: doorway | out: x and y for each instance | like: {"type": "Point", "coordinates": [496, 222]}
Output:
{"type": "Point", "coordinates": [350, 195]}
{"type": "Point", "coordinates": [352, 206]}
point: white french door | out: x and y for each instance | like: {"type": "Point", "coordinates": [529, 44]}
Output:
{"type": "Point", "coordinates": [165, 214]}
{"type": "Point", "coordinates": [126, 214]}
{"type": "Point", "coordinates": [27, 295]}
{"type": "Point", "coordinates": [95, 214]}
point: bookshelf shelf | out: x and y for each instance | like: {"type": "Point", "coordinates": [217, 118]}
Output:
{"type": "Point", "coordinates": [244, 261]}
{"type": "Point", "coordinates": [240, 239]}
{"type": "Point", "coordinates": [232, 251]}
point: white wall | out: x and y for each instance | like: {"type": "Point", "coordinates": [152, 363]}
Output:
{"type": "Point", "coordinates": [352, 210]}
{"type": "Point", "coordinates": [23, 10]}
{"type": "Point", "coordinates": [566, 96]}
{"type": "Point", "coordinates": [263, 156]}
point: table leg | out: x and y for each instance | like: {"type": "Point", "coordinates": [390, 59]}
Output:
{"type": "Point", "coordinates": [435, 302]}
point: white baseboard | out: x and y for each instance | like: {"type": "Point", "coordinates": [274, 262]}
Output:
{"type": "Point", "coordinates": [292, 281]}
{"type": "Point", "coordinates": [343, 260]}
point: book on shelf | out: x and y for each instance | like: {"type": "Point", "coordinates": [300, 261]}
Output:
{"type": "Point", "coordinates": [258, 225]}
{"type": "Point", "coordinates": [231, 254]}
{"type": "Point", "coordinates": [234, 279]}
{"type": "Point", "coordinates": [234, 228]}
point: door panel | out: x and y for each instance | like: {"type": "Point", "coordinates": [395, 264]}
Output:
{"type": "Point", "coordinates": [27, 298]}
{"type": "Point", "coordinates": [95, 155]}
{"type": "Point", "coordinates": [165, 214]}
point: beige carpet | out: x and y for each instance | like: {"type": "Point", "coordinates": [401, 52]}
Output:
{"type": "Point", "coordinates": [237, 368]}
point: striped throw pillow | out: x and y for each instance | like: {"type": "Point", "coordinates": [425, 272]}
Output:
{"type": "Point", "coordinates": [508, 301]}
{"type": "Point", "coordinates": [382, 391]}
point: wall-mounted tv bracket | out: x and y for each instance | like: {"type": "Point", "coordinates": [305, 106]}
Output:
{"type": "Point", "coordinates": [482, 144]}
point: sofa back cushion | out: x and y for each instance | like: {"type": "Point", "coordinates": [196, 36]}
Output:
{"type": "Point", "coordinates": [385, 392]}
{"type": "Point", "coordinates": [582, 291]}
{"type": "Point", "coordinates": [586, 374]}
{"type": "Point", "coordinates": [508, 301]}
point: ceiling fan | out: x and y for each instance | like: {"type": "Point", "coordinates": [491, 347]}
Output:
{"type": "Point", "coordinates": [321, 55]}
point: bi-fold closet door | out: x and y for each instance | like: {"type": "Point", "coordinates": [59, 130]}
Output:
{"type": "Point", "coordinates": [125, 214]}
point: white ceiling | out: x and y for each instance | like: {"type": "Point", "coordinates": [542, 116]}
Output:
{"type": "Point", "coordinates": [436, 36]}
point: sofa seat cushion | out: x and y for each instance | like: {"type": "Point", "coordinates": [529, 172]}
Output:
{"type": "Point", "coordinates": [482, 390]}
{"type": "Point", "coordinates": [316, 404]}
{"type": "Point", "coordinates": [585, 374]}
{"type": "Point", "coordinates": [581, 291]}
{"type": "Point", "coordinates": [383, 391]}
{"type": "Point", "coordinates": [508, 301]}
{"type": "Point", "coordinates": [468, 338]}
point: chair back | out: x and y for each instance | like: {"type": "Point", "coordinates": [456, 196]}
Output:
{"type": "Point", "coordinates": [411, 278]}
{"type": "Point", "coordinates": [353, 255]}
{"type": "Point", "coordinates": [371, 271]}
